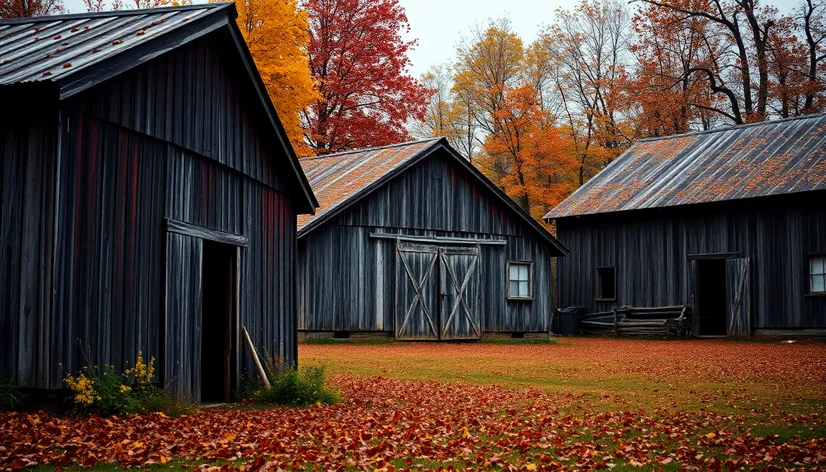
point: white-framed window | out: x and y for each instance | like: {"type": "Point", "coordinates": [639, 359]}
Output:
{"type": "Point", "coordinates": [817, 273]}
{"type": "Point", "coordinates": [520, 283]}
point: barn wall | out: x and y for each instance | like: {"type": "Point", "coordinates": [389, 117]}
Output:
{"type": "Point", "coordinates": [129, 158]}
{"type": "Point", "coordinates": [348, 278]}
{"type": "Point", "coordinates": [27, 177]}
{"type": "Point", "coordinates": [649, 250]}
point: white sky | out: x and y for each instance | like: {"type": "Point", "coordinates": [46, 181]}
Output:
{"type": "Point", "coordinates": [439, 24]}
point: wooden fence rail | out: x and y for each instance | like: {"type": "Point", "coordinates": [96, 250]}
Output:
{"type": "Point", "coordinates": [640, 321]}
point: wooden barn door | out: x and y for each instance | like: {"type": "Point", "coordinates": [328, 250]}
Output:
{"type": "Point", "coordinates": [459, 279]}
{"type": "Point", "coordinates": [416, 292]}
{"type": "Point", "coordinates": [738, 291]}
{"type": "Point", "coordinates": [181, 348]}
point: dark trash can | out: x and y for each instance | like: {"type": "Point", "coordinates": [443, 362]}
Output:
{"type": "Point", "coordinates": [567, 320]}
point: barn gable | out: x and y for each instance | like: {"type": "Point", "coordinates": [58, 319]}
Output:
{"type": "Point", "coordinates": [343, 181]}
{"type": "Point", "coordinates": [77, 52]}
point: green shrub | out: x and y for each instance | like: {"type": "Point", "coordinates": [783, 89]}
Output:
{"type": "Point", "coordinates": [295, 387]}
{"type": "Point", "coordinates": [101, 391]}
{"type": "Point", "coordinates": [11, 398]}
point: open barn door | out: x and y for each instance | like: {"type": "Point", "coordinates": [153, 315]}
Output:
{"type": "Point", "coordinates": [738, 290]}
{"type": "Point", "coordinates": [459, 280]}
{"type": "Point", "coordinates": [416, 292]}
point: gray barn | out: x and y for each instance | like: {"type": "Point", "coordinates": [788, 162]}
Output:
{"type": "Point", "coordinates": [148, 199]}
{"type": "Point", "coordinates": [412, 241]}
{"type": "Point", "coordinates": [730, 221]}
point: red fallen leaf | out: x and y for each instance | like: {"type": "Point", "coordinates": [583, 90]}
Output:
{"type": "Point", "coordinates": [49, 56]}
{"type": "Point", "coordinates": [140, 33]}
{"type": "Point", "coordinates": [95, 50]}
{"type": "Point", "coordinates": [57, 37]}
{"type": "Point", "coordinates": [75, 29]}
{"type": "Point", "coordinates": [47, 73]}
{"type": "Point", "coordinates": [67, 65]}
{"type": "Point", "coordinates": [117, 41]}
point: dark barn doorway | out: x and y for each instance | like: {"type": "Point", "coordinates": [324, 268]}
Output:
{"type": "Point", "coordinates": [711, 297]}
{"type": "Point", "coordinates": [219, 327]}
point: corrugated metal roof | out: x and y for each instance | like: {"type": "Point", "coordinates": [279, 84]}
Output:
{"type": "Point", "coordinates": [336, 178]}
{"type": "Point", "coordinates": [756, 160]}
{"type": "Point", "coordinates": [50, 48]}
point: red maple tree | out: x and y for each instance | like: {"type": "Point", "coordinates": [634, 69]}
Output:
{"type": "Point", "coordinates": [359, 58]}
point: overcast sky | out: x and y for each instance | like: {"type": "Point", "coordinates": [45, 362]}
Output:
{"type": "Point", "coordinates": [439, 24]}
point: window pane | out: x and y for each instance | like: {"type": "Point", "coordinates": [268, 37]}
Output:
{"type": "Point", "coordinates": [514, 272]}
{"type": "Point", "coordinates": [523, 289]}
{"type": "Point", "coordinates": [523, 272]}
{"type": "Point", "coordinates": [819, 283]}
{"type": "Point", "coordinates": [513, 291]}
{"type": "Point", "coordinates": [817, 265]}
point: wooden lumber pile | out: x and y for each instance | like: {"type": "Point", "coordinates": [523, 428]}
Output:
{"type": "Point", "coordinates": [637, 321]}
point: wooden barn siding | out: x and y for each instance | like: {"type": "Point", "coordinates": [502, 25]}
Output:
{"type": "Point", "coordinates": [109, 242]}
{"type": "Point", "coordinates": [650, 249]}
{"type": "Point", "coordinates": [112, 251]}
{"type": "Point", "coordinates": [27, 173]}
{"type": "Point", "coordinates": [218, 121]}
{"type": "Point", "coordinates": [348, 278]}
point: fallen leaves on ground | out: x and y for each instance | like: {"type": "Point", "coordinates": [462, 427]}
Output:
{"type": "Point", "coordinates": [395, 424]}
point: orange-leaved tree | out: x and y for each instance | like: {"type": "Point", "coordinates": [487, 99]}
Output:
{"type": "Point", "coordinates": [276, 33]}
{"type": "Point", "coordinates": [526, 153]}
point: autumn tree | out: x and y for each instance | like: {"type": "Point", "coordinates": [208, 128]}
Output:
{"type": "Point", "coordinates": [276, 33]}
{"type": "Point", "coordinates": [23, 8]}
{"type": "Point", "coordinates": [448, 113]}
{"type": "Point", "coordinates": [526, 155]}
{"type": "Point", "coordinates": [588, 50]}
{"type": "Point", "coordinates": [812, 20]}
{"type": "Point", "coordinates": [359, 60]}
{"type": "Point", "coordinates": [524, 152]}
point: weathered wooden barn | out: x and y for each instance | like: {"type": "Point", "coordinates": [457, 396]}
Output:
{"type": "Point", "coordinates": [412, 241]}
{"type": "Point", "coordinates": [148, 199]}
{"type": "Point", "coordinates": [731, 222]}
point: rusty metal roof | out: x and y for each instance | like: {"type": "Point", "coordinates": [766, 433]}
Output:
{"type": "Point", "coordinates": [57, 48]}
{"type": "Point", "coordinates": [337, 178]}
{"type": "Point", "coordinates": [755, 160]}
{"type": "Point", "coordinates": [340, 180]}
{"type": "Point", "coordinates": [78, 51]}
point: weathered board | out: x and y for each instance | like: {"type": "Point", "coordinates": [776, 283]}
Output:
{"type": "Point", "coordinates": [459, 289]}
{"type": "Point", "coordinates": [738, 292]}
{"type": "Point", "coordinates": [417, 276]}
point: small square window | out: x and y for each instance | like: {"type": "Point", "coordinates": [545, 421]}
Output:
{"type": "Point", "coordinates": [817, 274]}
{"type": "Point", "coordinates": [519, 280]}
{"type": "Point", "coordinates": [607, 283]}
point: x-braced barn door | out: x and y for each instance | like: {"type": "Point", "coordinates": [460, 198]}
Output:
{"type": "Point", "coordinates": [416, 292]}
{"type": "Point", "coordinates": [459, 280]}
{"type": "Point", "coordinates": [738, 289]}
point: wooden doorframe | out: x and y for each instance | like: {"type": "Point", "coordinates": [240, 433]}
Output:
{"type": "Point", "coordinates": [239, 242]}
{"type": "Point", "coordinates": [693, 267]}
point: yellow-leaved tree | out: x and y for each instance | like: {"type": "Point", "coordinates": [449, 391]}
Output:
{"type": "Point", "coordinates": [276, 34]}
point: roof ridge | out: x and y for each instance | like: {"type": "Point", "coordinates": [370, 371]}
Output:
{"type": "Point", "coordinates": [734, 127]}
{"type": "Point", "coordinates": [388, 146]}
{"type": "Point", "coordinates": [108, 13]}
